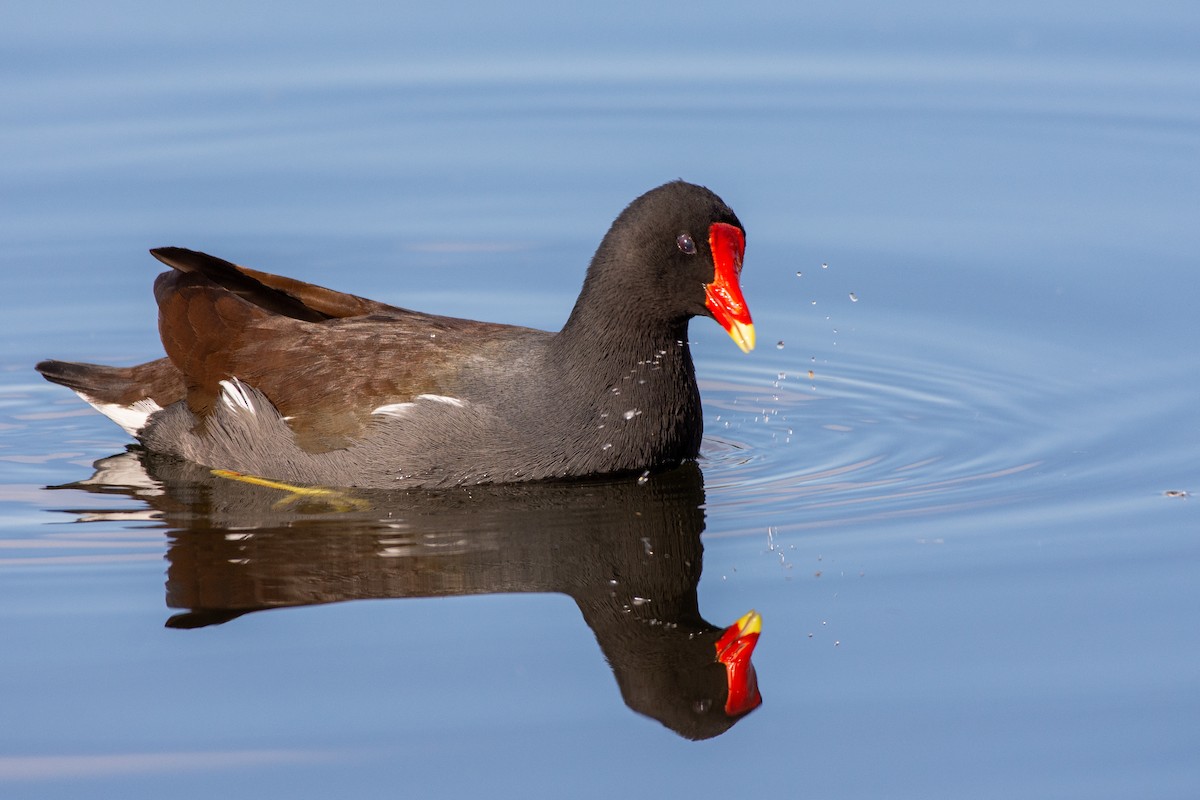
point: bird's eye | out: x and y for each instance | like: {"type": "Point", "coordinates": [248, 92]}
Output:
{"type": "Point", "coordinates": [685, 244]}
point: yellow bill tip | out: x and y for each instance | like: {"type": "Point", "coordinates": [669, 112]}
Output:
{"type": "Point", "coordinates": [742, 334]}
{"type": "Point", "coordinates": [750, 622]}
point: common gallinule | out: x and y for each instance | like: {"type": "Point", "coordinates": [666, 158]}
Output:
{"type": "Point", "coordinates": [274, 377]}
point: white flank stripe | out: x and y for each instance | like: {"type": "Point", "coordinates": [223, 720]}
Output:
{"type": "Point", "coordinates": [400, 409]}
{"type": "Point", "coordinates": [441, 398]}
{"type": "Point", "coordinates": [394, 409]}
{"type": "Point", "coordinates": [235, 396]}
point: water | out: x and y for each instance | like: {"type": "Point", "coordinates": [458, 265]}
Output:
{"type": "Point", "coordinates": [954, 493]}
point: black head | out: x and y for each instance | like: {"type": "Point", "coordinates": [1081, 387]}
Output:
{"type": "Point", "coordinates": [672, 254]}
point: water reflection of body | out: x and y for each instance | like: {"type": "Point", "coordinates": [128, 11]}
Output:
{"type": "Point", "coordinates": [627, 552]}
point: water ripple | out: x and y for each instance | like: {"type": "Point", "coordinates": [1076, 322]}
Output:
{"type": "Point", "coordinates": [917, 428]}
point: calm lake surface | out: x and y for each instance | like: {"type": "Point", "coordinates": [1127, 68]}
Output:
{"type": "Point", "coordinates": [957, 478]}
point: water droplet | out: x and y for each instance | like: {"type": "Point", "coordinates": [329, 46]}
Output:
{"type": "Point", "coordinates": [615, 390]}
{"type": "Point", "coordinates": [642, 480]}
{"type": "Point", "coordinates": [853, 297]}
{"type": "Point", "coordinates": [646, 546]}
{"type": "Point", "coordinates": [606, 446]}
{"type": "Point", "coordinates": [641, 601]}
{"type": "Point", "coordinates": [824, 265]}
{"type": "Point", "coordinates": [782, 376]}
{"type": "Point", "coordinates": [799, 274]}
{"type": "Point", "coordinates": [631, 413]}
{"type": "Point", "coordinates": [779, 345]}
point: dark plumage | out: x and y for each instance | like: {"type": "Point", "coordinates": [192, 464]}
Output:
{"type": "Point", "coordinates": [274, 377]}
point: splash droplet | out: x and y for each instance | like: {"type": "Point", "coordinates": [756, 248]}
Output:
{"type": "Point", "coordinates": [799, 274]}
{"type": "Point", "coordinates": [631, 413]}
{"type": "Point", "coordinates": [606, 446]}
{"type": "Point", "coordinates": [644, 478]}
{"type": "Point", "coordinates": [824, 265]}
{"type": "Point", "coordinates": [853, 297]}
{"type": "Point", "coordinates": [779, 345]}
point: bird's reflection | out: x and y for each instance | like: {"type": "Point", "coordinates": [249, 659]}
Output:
{"type": "Point", "coordinates": [626, 550]}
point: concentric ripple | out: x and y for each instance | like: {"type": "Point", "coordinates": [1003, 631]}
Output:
{"type": "Point", "coordinates": [892, 427]}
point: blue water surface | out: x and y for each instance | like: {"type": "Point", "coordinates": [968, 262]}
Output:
{"type": "Point", "coordinates": [957, 477]}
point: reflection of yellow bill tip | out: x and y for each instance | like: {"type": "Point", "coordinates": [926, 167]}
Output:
{"type": "Point", "coordinates": [742, 334]}
{"type": "Point", "coordinates": [749, 623]}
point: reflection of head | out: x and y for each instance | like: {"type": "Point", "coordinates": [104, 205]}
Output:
{"type": "Point", "coordinates": [679, 679]}
{"type": "Point", "coordinates": [627, 552]}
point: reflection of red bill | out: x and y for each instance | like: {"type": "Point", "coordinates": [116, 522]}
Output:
{"type": "Point", "coordinates": [734, 649]}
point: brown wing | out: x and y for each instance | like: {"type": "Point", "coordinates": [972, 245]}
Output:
{"type": "Point", "coordinates": [324, 358]}
{"type": "Point", "coordinates": [276, 293]}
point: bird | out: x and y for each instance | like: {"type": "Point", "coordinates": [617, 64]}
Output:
{"type": "Point", "coordinates": [274, 377]}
